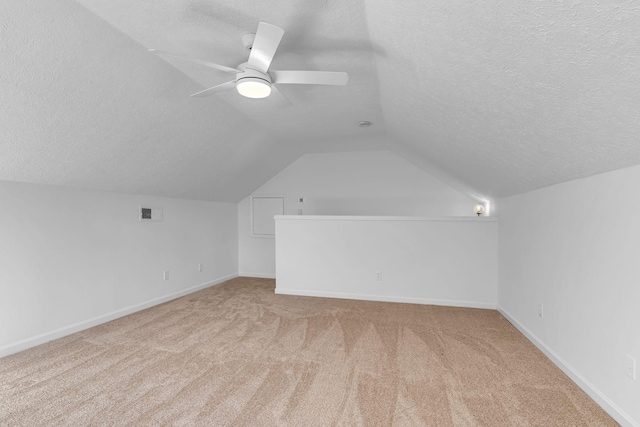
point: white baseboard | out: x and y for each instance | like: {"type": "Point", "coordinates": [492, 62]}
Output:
{"type": "Point", "coordinates": [86, 324]}
{"type": "Point", "coordinates": [258, 275]}
{"type": "Point", "coordinates": [611, 408]}
{"type": "Point", "coordinates": [386, 298]}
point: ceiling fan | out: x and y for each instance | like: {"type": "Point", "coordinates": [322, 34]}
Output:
{"type": "Point", "coordinates": [253, 78]}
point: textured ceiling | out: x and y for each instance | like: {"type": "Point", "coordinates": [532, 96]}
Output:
{"type": "Point", "coordinates": [495, 97]}
{"type": "Point", "coordinates": [509, 96]}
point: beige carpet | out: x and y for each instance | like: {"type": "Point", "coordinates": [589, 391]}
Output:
{"type": "Point", "coordinates": [239, 355]}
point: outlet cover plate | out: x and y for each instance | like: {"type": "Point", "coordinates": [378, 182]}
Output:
{"type": "Point", "coordinates": [630, 368]}
{"type": "Point", "coordinates": [540, 310]}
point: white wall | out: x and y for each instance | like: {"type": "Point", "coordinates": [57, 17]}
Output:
{"type": "Point", "coordinates": [575, 247]}
{"type": "Point", "coordinates": [348, 183]}
{"type": "Point", "coordinates": [73, 258]}
{"type": "Point", "coordinates": [444, 261]}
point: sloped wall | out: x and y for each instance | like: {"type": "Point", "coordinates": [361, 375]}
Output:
{"type": "Point", "coordinates": [71, 259]}
{"type": "Point", "coordinates": [575, 248]}
{"type": "Point", "coordinates": [351, 183]}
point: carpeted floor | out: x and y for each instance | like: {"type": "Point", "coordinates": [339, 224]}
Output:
{"type": "Point", "coordinates": [239, 355]}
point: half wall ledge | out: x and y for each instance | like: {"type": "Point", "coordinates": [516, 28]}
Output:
{"type": "Point", "coordinates": [434, 260]}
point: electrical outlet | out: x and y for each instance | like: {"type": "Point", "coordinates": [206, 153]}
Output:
{"type": "Point", "coordinates": [200, 267]}
{"type": "Point", "coordinates": [630, 368]}
{"type": "Point", "coordinates": [165, 275]}
{"type": "Point", "coordinates": [540, 310]}
{"type": "Point", "coordinates": [378, 276]}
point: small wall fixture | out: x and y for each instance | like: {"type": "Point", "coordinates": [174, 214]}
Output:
{"type": "Point", "coordinates": [478, 210]}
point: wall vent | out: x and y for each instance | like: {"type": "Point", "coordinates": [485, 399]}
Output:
{"type": "Point", "coordinates": [150, 214]}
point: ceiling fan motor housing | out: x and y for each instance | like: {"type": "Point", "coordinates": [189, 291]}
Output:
{"type": "Point", "coordinates": [250, 73]}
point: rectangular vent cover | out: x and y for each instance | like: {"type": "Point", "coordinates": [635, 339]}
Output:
{"type": "Point", "coordinates": [150, 214]}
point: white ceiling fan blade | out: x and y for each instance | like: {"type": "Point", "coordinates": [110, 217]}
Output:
{"type": "Point", "coordinates": [197, 61]}
{"type": "Point", "coordinates": [264, 46]}
{"type": "Point", "coordinates": [280, 98]}
{"type": "Point", "coordinates": [336, 78]}
{"type": "Point", "coordinates": [215, 89]}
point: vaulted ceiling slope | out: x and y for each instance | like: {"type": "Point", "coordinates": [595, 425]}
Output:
{"type": "Point", "coordinates": [495, 97]}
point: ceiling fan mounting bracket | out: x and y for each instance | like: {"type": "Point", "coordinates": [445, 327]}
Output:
{"type": "Point", "coordinates": [247, 40]}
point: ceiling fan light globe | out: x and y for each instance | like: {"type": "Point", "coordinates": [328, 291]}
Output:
{"type": "Point", "coordinates": [253, 87]}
